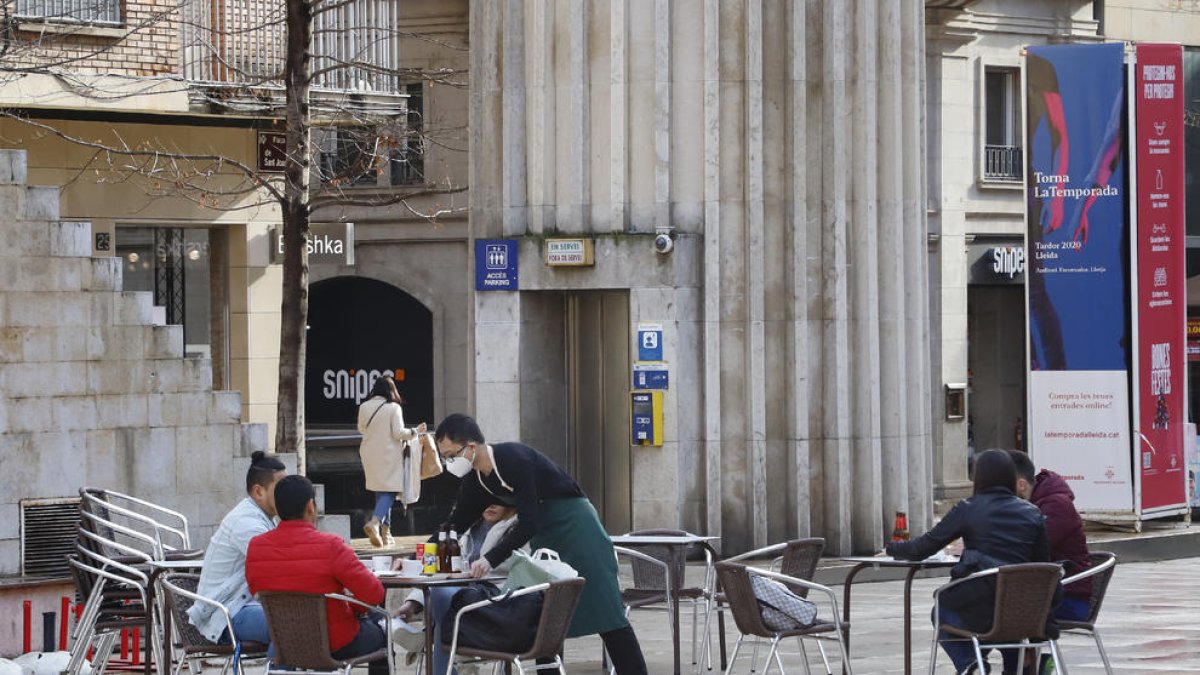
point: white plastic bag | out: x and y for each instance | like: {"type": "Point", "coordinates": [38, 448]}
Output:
{"type": "Point", "coordinates": [541, 567]}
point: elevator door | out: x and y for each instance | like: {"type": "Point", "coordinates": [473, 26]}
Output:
{"type": "Point", "coordinates": [598, 376]}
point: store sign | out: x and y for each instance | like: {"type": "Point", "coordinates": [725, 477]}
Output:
{"type": "Point", "coordinates": [327, 243]}
{"type": "Point", "coordinates": [570, 253]}
{"type": "Point", "coordinates": [992, 263]}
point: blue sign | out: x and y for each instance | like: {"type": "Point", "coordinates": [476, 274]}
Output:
{"type": "Point", "coordinates": [496, 265]}
{"type": "Point", "coordinates": [650, 376]}
{"type": "Point", "coordinates": [650, 342]}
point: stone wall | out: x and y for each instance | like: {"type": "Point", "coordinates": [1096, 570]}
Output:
{"type": "Point", "coordinates": [91, 391]}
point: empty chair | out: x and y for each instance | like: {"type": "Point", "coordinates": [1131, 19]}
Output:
{"type": "Point", "coordinates": [179, 590]}
{"type": "Point", "coordinates": [160, 532]}
{"type": "Point", "coordinates": [299, 630]}
{"type": "Point", "coordinates": [1024, 597]}
{"type": "Point", "coordinates": [796, 558]}
{"type": "Point", "coordinates": [1103, 565]}
{"type": "Point", "coordinates": [558, 607]}
{"type": "Point", "coordinates": [735, 580]}
{"type": "Point", "coordinates": [650, 585]}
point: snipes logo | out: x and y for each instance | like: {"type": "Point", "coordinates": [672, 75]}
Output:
{"type": "Point", "coordinates": [354, 384]}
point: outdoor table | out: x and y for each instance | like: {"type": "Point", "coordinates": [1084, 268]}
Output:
{"type": "Point", "coordinates": [155, 601]}
{"type": "Point", "coordinates": [635, 540]}
{"type": "Point", "coordinates": [394, 579]}
{"type": "Point", "coordinates": [876, 562]}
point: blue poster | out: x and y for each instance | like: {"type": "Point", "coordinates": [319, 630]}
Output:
{"type": "Point", "coordinates": [1078, 233]}
{"type": "Point", "coordinates": [496, 265]}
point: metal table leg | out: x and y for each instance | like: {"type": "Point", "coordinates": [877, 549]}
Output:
{"type": "Point", "coordinates": [846, 606]}
{"type": "Point", "coordinates": [908, 580]}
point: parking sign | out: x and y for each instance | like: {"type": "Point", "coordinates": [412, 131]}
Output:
{"type": "Point", "coordinates": [496, 265]}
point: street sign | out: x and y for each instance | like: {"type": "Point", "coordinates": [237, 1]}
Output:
{"type": "Point", "coordinates": [272, 151]}
{"type": "Point", "coordinates": [496, 265]}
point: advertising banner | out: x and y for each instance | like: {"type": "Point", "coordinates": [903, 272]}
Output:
{"type": "Point", "coordinates": [1161, 273]}
{"type": "Point", "coordinates": [1076, 255]}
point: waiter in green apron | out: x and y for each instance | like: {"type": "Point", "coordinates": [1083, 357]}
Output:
{"type": "Point", "coordinates": [552, 512]}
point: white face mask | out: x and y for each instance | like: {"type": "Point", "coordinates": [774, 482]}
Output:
{"type": "Point", "coordinates": [459, 466]}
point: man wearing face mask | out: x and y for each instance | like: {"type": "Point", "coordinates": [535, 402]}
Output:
{"type": "Point", "coordinates": [552, 512]}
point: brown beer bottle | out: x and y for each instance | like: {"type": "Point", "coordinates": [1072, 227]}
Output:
{"type": "Point", "coordinates": [443, 550]}
{"type": "Point", "coordinates": [454, 552]}
{"type": "Point", "coordinates": [900, 531]}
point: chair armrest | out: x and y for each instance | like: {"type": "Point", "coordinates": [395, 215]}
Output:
{"type": "Point", "coordinates": [372, 609]}
{"type": "Point", "coordinates": [812, 586]}
{"type": "Point", "coordinates": [757, 553]}
{"type": "Point", "coordinates": [484, 603]}
{"type": "Point", "coordinates": [196, 598]}
{"type": "Point", "coordinates": [619, 551]}
{"type": "Point", "coordinates": [1091, 571]}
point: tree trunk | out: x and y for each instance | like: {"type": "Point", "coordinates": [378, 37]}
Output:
{"type": "Point", "coordinates": [289, 430]}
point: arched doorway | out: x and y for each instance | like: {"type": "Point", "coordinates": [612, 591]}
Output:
{"type": "Point", "coordinates": [358, 329]}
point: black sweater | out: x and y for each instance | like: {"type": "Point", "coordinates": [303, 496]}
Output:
{"type": "Point", "coordinates": [532, 477]}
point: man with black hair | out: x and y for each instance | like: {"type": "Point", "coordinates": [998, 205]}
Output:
{"type": "Point", "coordinates": [552, 512]}
{"type": "Point", "coordinates": [295, 556]}
{"type": "Point", "coordinates": [223, 577]}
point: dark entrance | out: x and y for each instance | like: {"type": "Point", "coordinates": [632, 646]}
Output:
{"type": "Point", "coordinates": [359, 329]}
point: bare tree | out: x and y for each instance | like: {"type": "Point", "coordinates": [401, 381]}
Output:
{"type": "Point", "coordinates": [328, 67]}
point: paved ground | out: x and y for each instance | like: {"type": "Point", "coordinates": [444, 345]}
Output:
{"type": "Point", "coordinates": [1150, 624]}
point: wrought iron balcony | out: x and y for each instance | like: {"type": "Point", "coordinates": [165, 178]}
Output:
{"type": "Point", "coordinates": [1003, 163]}
{"type": "Point", "coordinates": [238, 46]}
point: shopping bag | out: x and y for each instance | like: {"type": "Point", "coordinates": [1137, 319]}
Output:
{"type": "Point", "coordinates": [781, 609]}
{"type": "Point", "coordinates": [508, 625]}
{"type": "Point", "coordinates": [543, 566]}
{"type": "Point", "coordinates": [431, 462]}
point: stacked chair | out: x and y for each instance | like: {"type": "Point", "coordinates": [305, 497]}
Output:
{"type": "Point", "coordinates": [119, 537]}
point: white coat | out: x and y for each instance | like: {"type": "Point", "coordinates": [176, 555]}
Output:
{"type": "Point", "coordinates": [382, 450]}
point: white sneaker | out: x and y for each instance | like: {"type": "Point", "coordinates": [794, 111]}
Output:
{"type": "Point", "coordinates": [372, 529]}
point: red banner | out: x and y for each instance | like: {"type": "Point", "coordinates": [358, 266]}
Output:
{"type": "Point", "coordinates": [1161, 306]}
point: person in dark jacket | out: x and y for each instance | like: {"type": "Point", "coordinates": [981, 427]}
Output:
{"type": "Point", "coordinates": [997, 528]}
{"type": "Point", "coordinates": [1064, 530]}
{"type": "Point", "coordinates": [552, 512]}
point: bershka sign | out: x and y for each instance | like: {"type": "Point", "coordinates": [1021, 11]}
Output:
{"type": "Point", "coordinates": [327, 243]}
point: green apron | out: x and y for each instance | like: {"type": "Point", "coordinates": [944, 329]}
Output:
{"type": "Point", "coordinates": [572, 528]}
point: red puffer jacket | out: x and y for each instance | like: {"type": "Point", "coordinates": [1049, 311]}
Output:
{"type": "Point", "coordinates": [1064, 528]}
{"type": "Point", "coordinates": [297, 557]}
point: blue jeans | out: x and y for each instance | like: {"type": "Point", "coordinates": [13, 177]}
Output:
{"type": "Point", "coordinates": [439, 602]}
{"type": "Point", "coordinates": [370, 638]}
{"type": "Point", "coordinates": [250, 623]}
{"type": "Point", "coordinates": [383, 506]}
{"type": "Point", "coordinates": [961, 652]}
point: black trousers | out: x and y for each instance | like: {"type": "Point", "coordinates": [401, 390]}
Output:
{"type": "Point", "coordinates": [623, 649]}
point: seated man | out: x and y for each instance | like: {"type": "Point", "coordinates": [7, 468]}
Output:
{"type": "Point", "coordinates": [496, 520]}
{"type": "Point", "coordinates": [295, 556]}
{"type": "Point", "coordinates": [224, 575]}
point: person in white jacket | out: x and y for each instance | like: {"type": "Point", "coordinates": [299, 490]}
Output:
{"type": "Point", "coordinates": [482, 536]}
{"type": "Point", "coordinates": [387, 470]}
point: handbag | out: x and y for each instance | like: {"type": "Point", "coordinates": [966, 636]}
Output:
{"type": "Point", "coordinates": [542, 567]}
{"type": "Point", "coordinates": [431, 462]}
{"type": "Point", "coordinates": [781, 609]}
{"type": "Point", "coordinates": [507, 625]}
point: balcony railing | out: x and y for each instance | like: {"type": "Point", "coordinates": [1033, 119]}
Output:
{"type": "Point", "coordinates": [1003, 163]}
{"type": "Point", "coordinates": [241, 43]}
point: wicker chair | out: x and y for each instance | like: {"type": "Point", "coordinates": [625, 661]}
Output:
{"type": "Point", "coordinates": [299, 631]}
{"type": "Point", "coordinates": [558, 607]}
{"type": "Point", "coordinates": [796, 558]}
{"type": "Point", "coordinates": [649, 590]}
{"type": "Point", "coordinates": [734, 578]}
{"type": "Point", "coordinates": [1103, 564]}
{"type": "Point", "coordinates": [1024, 599]}
{"type": "Point", "coordinates": [179, 590]}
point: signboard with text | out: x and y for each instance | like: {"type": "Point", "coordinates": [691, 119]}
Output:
{"type": "Point", "coordinates": [1077, 282]}
{"type": "Point", "coordinates": [327, 243]}
{"type": "Point", "coordinates": [496, 265]}
{"type": "Point", "coordinates": [1160, 305]}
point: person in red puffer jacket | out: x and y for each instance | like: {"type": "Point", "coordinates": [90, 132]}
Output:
{"type": "Point", "coordinates": [295, 556]}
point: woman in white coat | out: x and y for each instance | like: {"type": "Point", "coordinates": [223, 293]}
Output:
{"type": "Point", "coordinates": [381, 423]}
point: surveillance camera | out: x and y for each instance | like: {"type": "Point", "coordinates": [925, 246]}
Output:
{"type": "Point", "coordinates": [663, 244]}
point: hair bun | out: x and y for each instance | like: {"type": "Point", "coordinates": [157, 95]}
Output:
{"type": "Point", "coordinates": [257, 456]}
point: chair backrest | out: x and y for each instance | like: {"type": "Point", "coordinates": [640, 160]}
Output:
{"type": "Point", "coordinates": [800, 559]}
{"type": "Point", "coordinates": [558, 607]}
{"type": "Point", "coordinates": [178, 606]}
{"type": "Point", "coordinates": [1024, 598]}
{"type": "Point", "coordinates": [650, 577]}
{"type": "Point", "coordinates": [132, 521]}
{"type": "Point", "coordinates": [299, 629]}
{"type": "Point", "coordinates": [739, 594]}
{"type": "Point", "coordinates": [1099, 582]}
